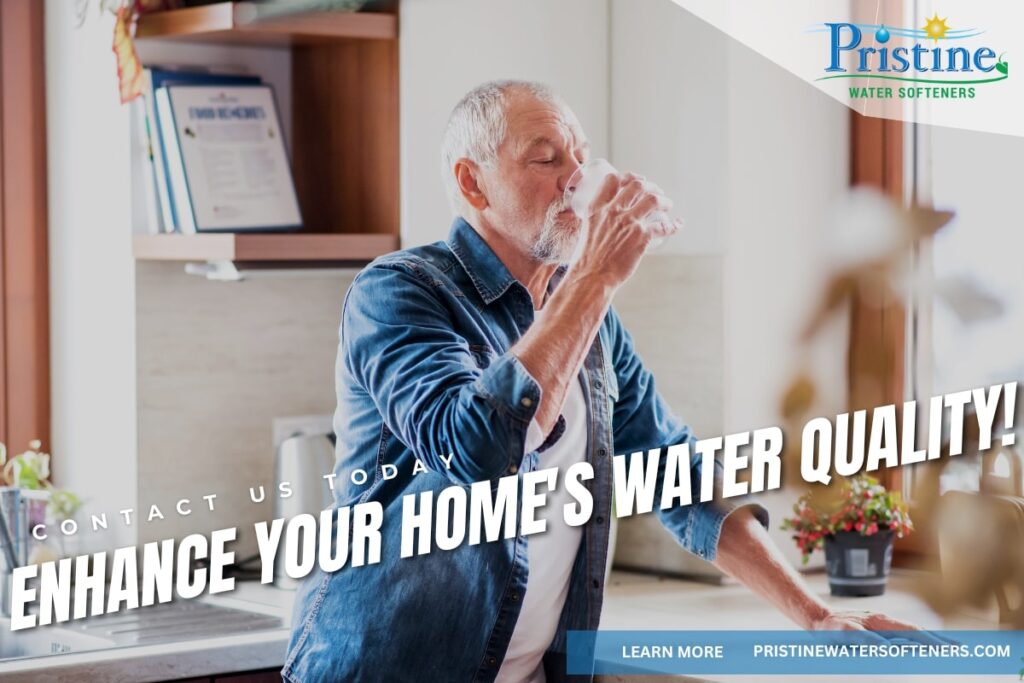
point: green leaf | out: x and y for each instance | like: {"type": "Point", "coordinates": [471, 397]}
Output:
{"type": "Point", "coordinates": [27, 479]}
{"type": "Point", "coordinates": [63, 504]}
{"type": "Point", "coordinates": [1002, 68]}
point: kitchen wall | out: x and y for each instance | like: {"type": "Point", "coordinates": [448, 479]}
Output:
{"type": "Point", "coordinates": [164, 383]}
{"type": "Point", "coordinates": [450, 46]}
{"type": "Point", "coordinates": [753, 158]}
{"type": "Point", "coordinates": [92, 298]}
{"type": "Point", "coordinates": [788, 152]}
{"type": "Point", "coordinates": [217, 361]}
{"type": "Point", "coordinates": [672, 307]}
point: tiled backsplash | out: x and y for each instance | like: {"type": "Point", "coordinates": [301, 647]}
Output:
{"type": "Point", "coordinates": [673, 307]}
{"type": "Point", "coordinates": [217, 361]}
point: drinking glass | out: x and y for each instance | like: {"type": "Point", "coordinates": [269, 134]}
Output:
{"type": "Point", "coordinates": [584, 184]}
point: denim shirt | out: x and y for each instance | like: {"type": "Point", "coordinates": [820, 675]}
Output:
{"type": "Point", "coordinates": [423, 371]}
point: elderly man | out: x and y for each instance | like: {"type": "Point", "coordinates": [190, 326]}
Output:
{"type": "Point", "coordinates": [486, 356]}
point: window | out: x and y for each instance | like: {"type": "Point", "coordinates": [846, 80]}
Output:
{"type": "Point", "coordinates": [968, 327]}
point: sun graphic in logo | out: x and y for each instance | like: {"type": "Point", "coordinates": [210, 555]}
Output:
{"type": "Point", "coordinates": [936, 28]}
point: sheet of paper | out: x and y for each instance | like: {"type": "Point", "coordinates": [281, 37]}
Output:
{"type": "Point", "coordinates": [234, 156]}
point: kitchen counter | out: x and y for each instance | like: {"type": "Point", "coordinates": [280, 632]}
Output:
{"type": "Point", "coordinates": [633, 601]}
{"type": "Point", "coordinates": [186, 658]}
{"type": "Point", "coordinates": [637, 601]}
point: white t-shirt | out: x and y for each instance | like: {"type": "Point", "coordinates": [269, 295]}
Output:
{"type": "Point", "coordinates": [550, 554]}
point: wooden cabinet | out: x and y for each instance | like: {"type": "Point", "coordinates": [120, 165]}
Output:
{"type": "Point", "coordinates": [344, 132]}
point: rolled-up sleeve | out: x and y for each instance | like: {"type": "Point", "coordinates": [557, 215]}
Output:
{"type": "Point", "coordinates": [643, 426]}
{"type": "Point", "coordinates": [421, 375]}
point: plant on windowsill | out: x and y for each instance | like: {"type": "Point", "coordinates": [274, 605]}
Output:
{"type": "Point", "coordinates": [856, 523]}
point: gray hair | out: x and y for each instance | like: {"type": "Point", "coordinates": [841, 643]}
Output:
{"type": "Point", "coordinates": [476, 128]}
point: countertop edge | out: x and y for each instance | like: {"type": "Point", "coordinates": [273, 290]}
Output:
{"type": "Point", "coordinates": [161, 662]}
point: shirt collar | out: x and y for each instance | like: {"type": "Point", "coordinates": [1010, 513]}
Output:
{"type": "Point", "coordinates": [488, 274]}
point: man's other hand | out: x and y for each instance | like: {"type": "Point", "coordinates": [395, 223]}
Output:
{"type": "Point", "coordinates": [868, 623]}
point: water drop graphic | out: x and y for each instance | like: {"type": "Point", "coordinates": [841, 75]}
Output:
{"type": "Point", "coordinates": [882, 34]}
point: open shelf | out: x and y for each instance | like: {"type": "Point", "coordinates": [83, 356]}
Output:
{"type": "Point", "coordinates": [344, 155]}
{"type": "Point", "coordinates": [228, 22]}
{"type": "Point", "coordinates": [292, 247]}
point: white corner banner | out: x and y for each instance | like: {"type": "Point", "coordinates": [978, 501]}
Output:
{"type": "Point", "coordinates": [942, 63]}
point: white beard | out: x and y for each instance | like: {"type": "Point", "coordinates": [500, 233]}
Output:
{"type": "Point", "coordinates": [557, 241]}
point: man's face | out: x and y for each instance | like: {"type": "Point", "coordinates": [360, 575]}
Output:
{"type": "Point", "coordinates": [543, 146]}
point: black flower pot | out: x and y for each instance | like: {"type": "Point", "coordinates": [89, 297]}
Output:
{"type": "Point", "coordinates": [858, 565]}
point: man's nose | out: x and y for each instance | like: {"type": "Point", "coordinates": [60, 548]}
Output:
{"type": "Point", "coordinates": [570, 178]}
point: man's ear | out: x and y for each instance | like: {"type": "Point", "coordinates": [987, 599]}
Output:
{"type": "Point", "coordinates": [467, 175]}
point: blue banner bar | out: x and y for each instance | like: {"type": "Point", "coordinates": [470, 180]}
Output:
{"type": "Point", "coordinates": [796, 652]}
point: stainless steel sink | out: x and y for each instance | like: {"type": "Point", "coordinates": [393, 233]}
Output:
{"type": "Point", "coordinates": [170, 622]}
{"type": "Point", "coordinates": [176, 621]}
{"type": "Point", "coordinates": [46, 640]}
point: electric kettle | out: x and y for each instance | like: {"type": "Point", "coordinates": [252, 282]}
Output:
{"type": "Point", "coordinates": [302, 460]}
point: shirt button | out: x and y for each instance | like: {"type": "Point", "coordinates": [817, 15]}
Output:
{"type": "Point", "coordinates": [600, 520]}
{"type": "Point", "coordinates": [512, 469]}
{"type": "Point", "coordinates": [492, 661]}
{"type": "Point", "coordinates": [602, 452]}
{"type": "Point", "coordinates": [597, 384]}
{"type": "Point", "coordinates": [515, 597]}
{"type": "Point", "coordinates": [526, 401]}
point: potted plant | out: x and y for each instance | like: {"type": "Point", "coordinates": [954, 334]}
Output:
{"type": "Point", "coordinates": [30, 472]}
{"type": "Point", "coordinates": [856, 523]}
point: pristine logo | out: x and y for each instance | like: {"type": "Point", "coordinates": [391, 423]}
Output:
{"type": "Point", "coordinates": [934, 70]}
